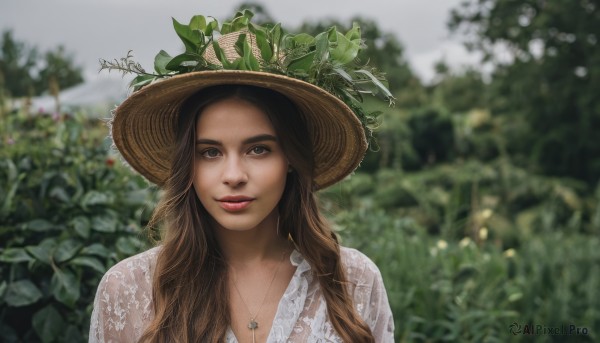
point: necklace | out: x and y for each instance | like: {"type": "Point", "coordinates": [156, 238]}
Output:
{"type": "Point", "coordinates": [253, 324]}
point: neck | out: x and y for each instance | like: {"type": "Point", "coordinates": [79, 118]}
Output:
{"type": "Point", "coordinates": [252, 246]}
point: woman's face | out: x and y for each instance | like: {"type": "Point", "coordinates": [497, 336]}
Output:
{"type": "Point", "coordinates": [240, 170]}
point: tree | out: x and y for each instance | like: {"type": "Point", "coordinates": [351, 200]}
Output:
{"type": "Point", "coordinates": [27, 72]}
{"type": "Point", "coordinates": [16, 62]}
{"type": "Point", "coordinates": [550, 78]}
{"type": "Point", "coordinates": [57, 66]}
{"type": "Point", "coordinates": [432, 137]}
{"type": "Point", "coordinates": [459, 91]}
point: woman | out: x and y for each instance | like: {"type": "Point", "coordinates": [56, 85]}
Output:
{"type": "Point", "coordinates": [246, 255]}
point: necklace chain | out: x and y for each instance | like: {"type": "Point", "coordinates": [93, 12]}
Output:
{"type": "Point", "coordinates": [253, 324]}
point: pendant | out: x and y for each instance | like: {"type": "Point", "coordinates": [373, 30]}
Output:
{"type": "Point", "coordinates": [253, 325]}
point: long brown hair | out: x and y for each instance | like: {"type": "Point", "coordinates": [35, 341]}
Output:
{"type": "Point", "coordinates": [190, 293]}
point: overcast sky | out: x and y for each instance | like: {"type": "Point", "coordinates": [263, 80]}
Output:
{"type": "Point", "coordinates": [93, 29]}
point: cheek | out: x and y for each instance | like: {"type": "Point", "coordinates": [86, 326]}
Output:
{"type": "Point", "coordinates": [201, 181]}
{"type": "Point", "coordinates": [276, 176]}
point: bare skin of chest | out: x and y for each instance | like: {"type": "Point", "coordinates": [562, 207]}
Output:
{"type": "Point", "coordinates": [256, 299]}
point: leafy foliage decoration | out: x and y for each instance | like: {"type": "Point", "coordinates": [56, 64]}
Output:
{"type": "Point", "coordinates": [327, 60]}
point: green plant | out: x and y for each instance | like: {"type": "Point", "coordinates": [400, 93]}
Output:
{"type": "Point", "coordinates": [69, 211]}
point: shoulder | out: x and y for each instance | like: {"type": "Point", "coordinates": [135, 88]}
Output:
{"type": "Point", "coordinates": [360, 269]}
{"type": "Point", "coordinates": [134, 270]}
{"type": "Point", "coordinates": [141, 263]}
{"type": "Point", "coordinates": [366, 288]}
{"type": "Point", "coordinates": [123, 302]}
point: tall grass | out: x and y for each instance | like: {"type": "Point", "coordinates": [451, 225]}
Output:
{"type": "Point", "coordinates": [460, 291]}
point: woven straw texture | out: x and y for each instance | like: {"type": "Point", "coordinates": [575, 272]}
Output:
{"type": "Point", "coordinates": [227, 44]}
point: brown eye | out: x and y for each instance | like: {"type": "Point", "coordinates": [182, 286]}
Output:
{"type": "Point", "coordinates": [210, 153]}
{"type": "Point", "coordinates": [259, 150]}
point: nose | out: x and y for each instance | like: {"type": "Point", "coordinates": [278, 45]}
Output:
{"type": "Point", "coordinates": [234, 172]}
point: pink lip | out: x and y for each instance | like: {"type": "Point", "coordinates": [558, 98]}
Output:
{"type": "Point", "coordinates": [235, 203]}
{"type": "Point", "coordinates": [235, 198]}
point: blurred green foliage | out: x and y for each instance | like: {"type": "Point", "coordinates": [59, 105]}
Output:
{"type": "Point", "coordinates": [68, 211]}
{"type": "Point", "coordinates": [468, 291]}
{"type": "Point", "coordinates": [547, 80]}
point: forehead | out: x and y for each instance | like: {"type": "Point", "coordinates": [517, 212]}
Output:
{"type": "Point", "coordinates": [232, 117]}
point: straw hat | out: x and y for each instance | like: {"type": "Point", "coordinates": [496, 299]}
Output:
{"type": "Point", "coordinates": [143, 126]}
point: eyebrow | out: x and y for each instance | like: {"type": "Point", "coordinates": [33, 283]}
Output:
{"type": "Point", "coordinates": [250, 140]}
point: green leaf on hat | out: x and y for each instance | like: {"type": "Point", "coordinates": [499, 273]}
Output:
{"type": "Point", "coordinates": [354, 33]}
{"type": "Point", "coordinates": [198, 22]}
{"type": "Point", "coordinates": [183, 62]}
{"type": "Point", "coordinates": [205, 25]}
{"type": "Point", "coordinates": [160, 62]}
{"type": "Point", "coordinates": [380, 86]}
{"type": "Point", "coordinates": [266, 52]}
{"type": "Point", "coordinates": [365, 85]}
{"type": "Point", "coordinates": [239, 44]}
{"type": "Point", "coordinates": [351, 97]}
{"type": "Point", "coordinates": [322, 47]}
{"type": "Point", "coordinates": [242, 47]}
{"type": "Point", "coordinates": [236, 65]}
{"type": "Point", "coordinates": [344, 75]}
{"type": "Point", "coordinates": [345, 50]}
{"type": "Point", "coordinates": [221, 55]}
{"type": "Point", "coordinates": [226, 28]}
{"type": "Point", "coordinates": [303, 39]}
{"type": "Point", "coordinates": [239, 22]}
{"type": "Point", "coordinates": [141, 80]}
{"type": "Point", "coordinates": [302, 63]}
{"type": "Point", "coordinates": [275, 34]}
{"type": "Point", "coordinates": [211, 26]}
{"type": "Point", "coordinates": [189, 37]}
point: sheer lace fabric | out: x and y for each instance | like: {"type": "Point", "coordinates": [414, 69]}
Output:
{"type": "Point", "coordinates": [123, 304]}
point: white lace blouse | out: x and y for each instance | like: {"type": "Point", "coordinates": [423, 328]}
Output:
{"type": "Point", "coordinates": [123, 304]}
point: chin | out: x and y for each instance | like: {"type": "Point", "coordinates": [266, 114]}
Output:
{"type": "Point", "coordinates": [243, 221]}
{"type": "Point", "coordinates": [238, 223]}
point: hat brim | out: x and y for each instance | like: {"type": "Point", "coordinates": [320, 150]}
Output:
{"type": "Point", "coordinates": [143, 126]}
